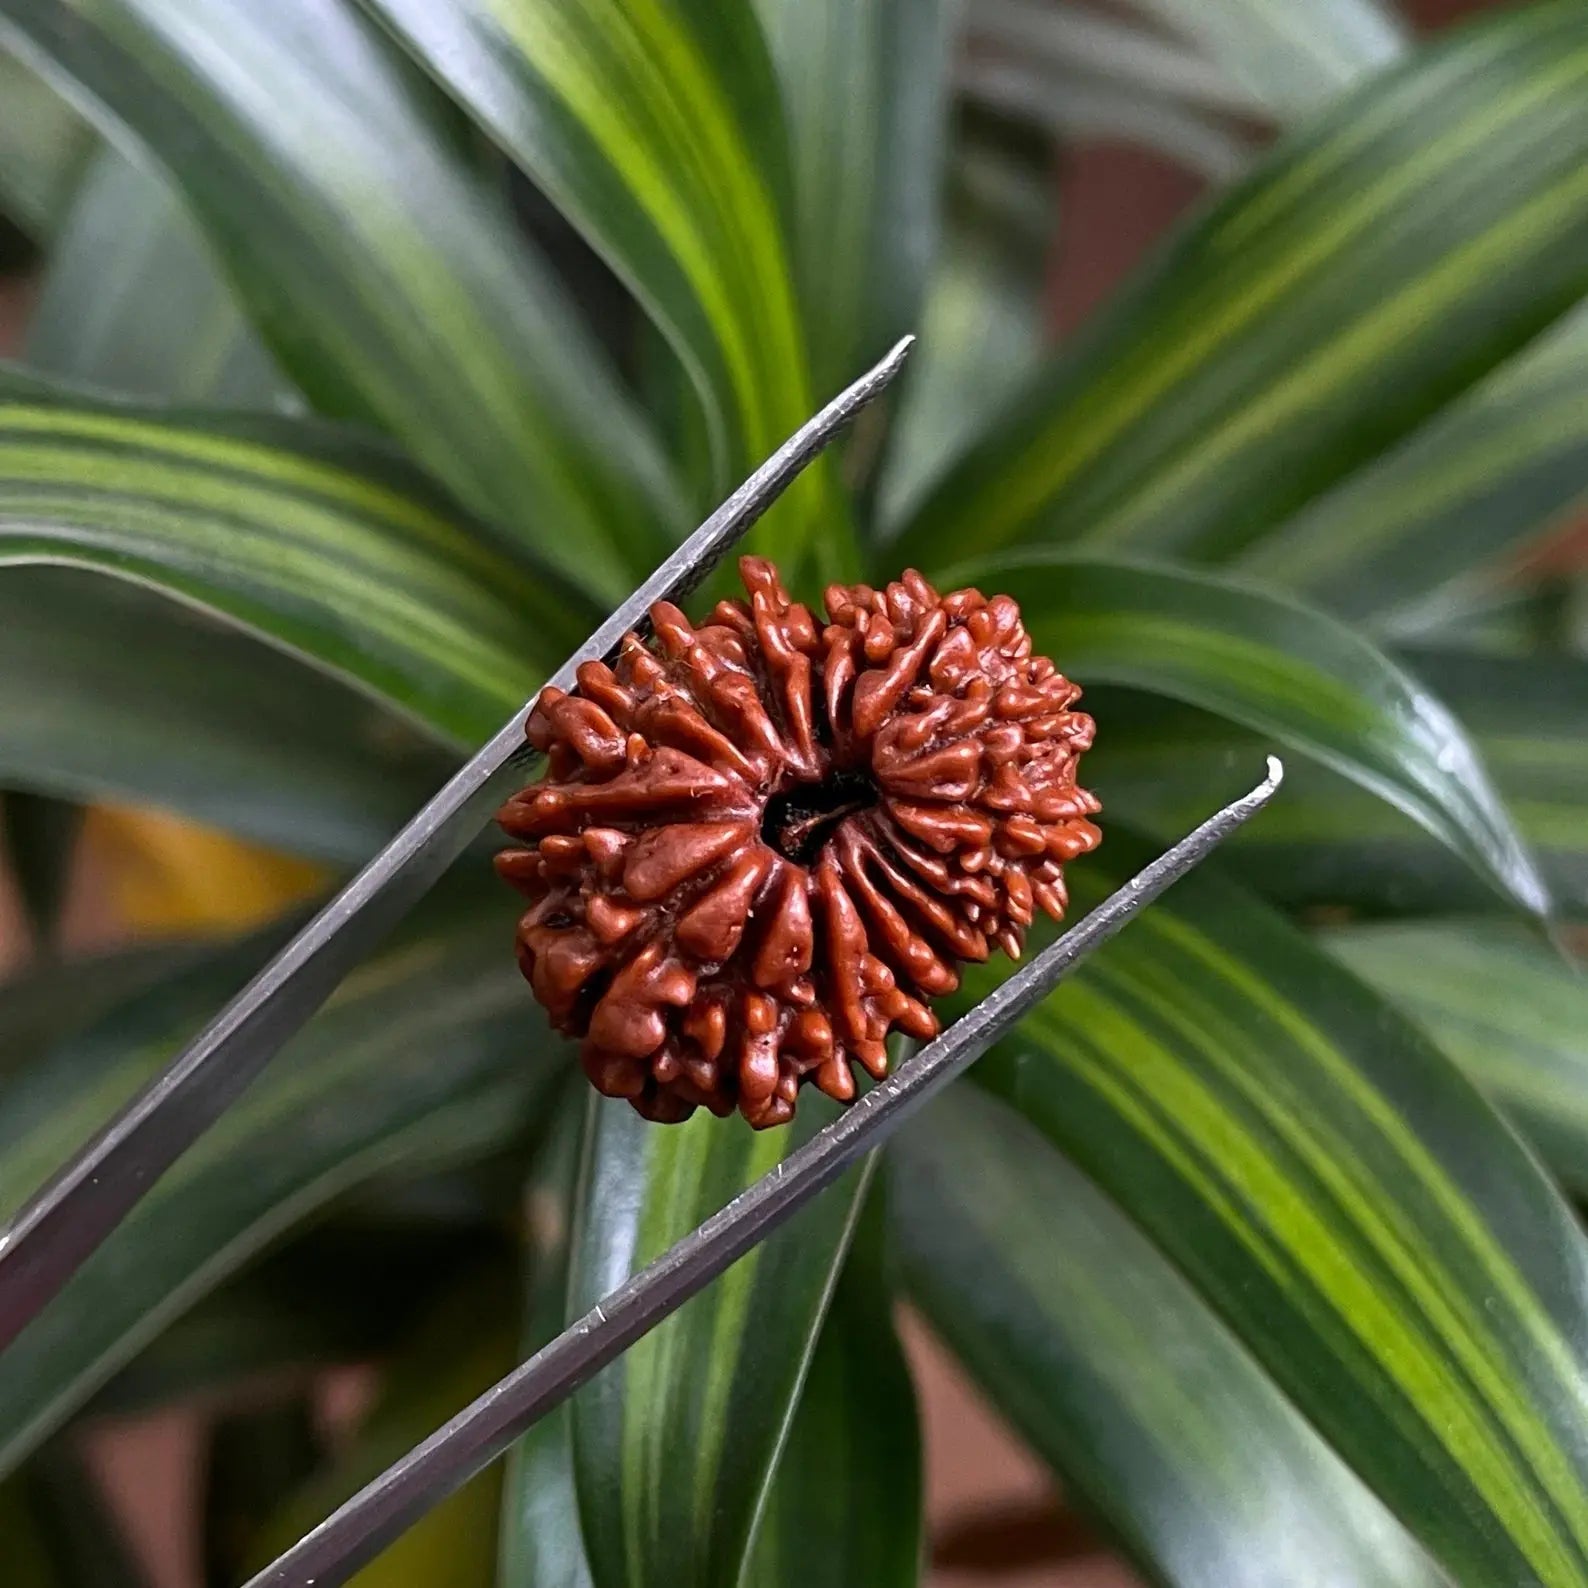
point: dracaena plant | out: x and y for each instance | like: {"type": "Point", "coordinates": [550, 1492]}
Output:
{"type": "Point", "coordinates": [382, 345]}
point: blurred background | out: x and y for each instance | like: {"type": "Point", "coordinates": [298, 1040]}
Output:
{"type": "Point", "coordinates": [994, 1516]}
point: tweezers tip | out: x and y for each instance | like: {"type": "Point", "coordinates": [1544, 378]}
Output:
{"type": "Point", "coordinates": [899, 351]}
{"type": "Point", "coordinates": [1265, 790]}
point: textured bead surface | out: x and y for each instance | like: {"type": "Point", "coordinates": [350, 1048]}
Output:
{"type": "Point", "coordinates": [762, 845]}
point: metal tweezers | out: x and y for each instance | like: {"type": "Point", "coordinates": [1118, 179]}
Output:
{"type": "Point", "coordinates": [62, 1225]}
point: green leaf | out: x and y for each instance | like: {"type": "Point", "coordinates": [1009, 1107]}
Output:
{"type": "Point", "coordinates": [109, 691]}
{"type": "Point", "coordinates": [845, 1503]}
{"type": "Point", "coordinates": [427, 1053]}
{"type": "Point", "coordinates": [1498, 469]}
{"type": "Point", "coordinates": [1505, 1007]}
{"type": "Point", "coordinates": [676, 1443]}
{"type": "Point", "coordinates": [1294, 58]}
{"type": "Point", "coordinates": [541, 1544]}
{"type": "Point", "coordinates": [865, 88]}
{"type": "Point", "coordinates": [982, 324]}
{"type": "Point", "coordinates": [131, 301]}
{"type": "Point", "coordinates": [1285, 670]}
{"type": "Point", "coordinates": [327, 545]}
{"type": "Point", "coordinates": [1376, 265]}
{"type": "Point", "coordinates": [1329, 843]}
{"type": "Point", "coordinates": [1111, 1368]}
{"type": "Point", "coordinates": [656, 128]}
{"type": "Point", "coordinates": [1342, 1196]}
{"type": "Point", "coordinates": [377, 258]}
{"type": "Point", "coordinates": [845, 1509]}
{"type": "Point", "coordinates": [43, 148]}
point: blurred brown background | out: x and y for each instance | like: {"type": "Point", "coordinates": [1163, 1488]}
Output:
{"type": "Point", "coordinates": [995, 1518]}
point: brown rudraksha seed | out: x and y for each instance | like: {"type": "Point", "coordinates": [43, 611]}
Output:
{"type": "Point", "coordinates": [764, 844]}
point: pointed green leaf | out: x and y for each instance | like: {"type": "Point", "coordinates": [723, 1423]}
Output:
{"type": "Point", "coordinates": [1293, 674]}
{"type": "Point", "coordinates": [656, 128]}
{"type": "Point", "coordinates": [377, 257]}
{"type": "Point", "coordinates": [1376, 264]}
{"type": "Point", "coordinates": [1496, 470]}
{"type": "Point", "coordinates": [425, 1054]}
{"type": "Point", "coordinates": [1329, 843]}
{"type": "Point", "coordinates": [325, 544]}
{"type": "Point", "coordinates": [110, 691]}
{"type": "Point", "coordinates": [865, 88]}
{"type": "Point", "coordinates": [845, 1508]}
{"type": "Point", "coordinates": [131, 301]}
{"type": "Point", "coordinates": [1104, 1359]}
{"type": "Point", "coordinates": [675, 1444]}
{"type": "Point", "coordinates": [1507, 1008]}
{"type": "Point", "coordinates": [1344, 1198]}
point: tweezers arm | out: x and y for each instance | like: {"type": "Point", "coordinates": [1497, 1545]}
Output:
{"type": "Point", "coordinates": [481, 1432]}
{"type": "Point", "coordinates": [63, 1224]}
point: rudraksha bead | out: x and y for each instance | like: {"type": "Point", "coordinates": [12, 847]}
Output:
{"type": "Point", "coordinates": [762, 845]}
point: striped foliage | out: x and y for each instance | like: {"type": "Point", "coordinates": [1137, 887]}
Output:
{"type": "Point", "coordinates": [359, 1094]}
{"type": "Point", "coordinates": [1289, 672]}
{"type": "Point", "coordinates": [1507, 1006]}
{"type": "Point", "coordinates": [111, 691]}
{"type": "Point", "coordinates": [1104, 1359]}
{"type": "Point", "coordinates": [675, 1444]}
{"type": "Point", "coordinates": [1443, 510]}
{"type": "Point", "coordinates": [541, 1545]}
{"type": "Point", "coordinates": [845, 1507]}
{"type": "Point", "coordinates": [1329, 843]}
{"type": "Point", "coordinates": [864, 87]}
{"type": "Point", "coordinates": [656, 125]}
{"type": "Point", "coordinates": [1259, 1271]}
{"type": "Point", "coordinates": [1388, 255]}
{"type": "Point", "coordinates": [377, 257]}
{"type": "Point", "coordinates": [323, 543]}
{"type": "Point", "coordinates": [132, 302]}
{"type": "Point", "coordinates": [1341, 1195]}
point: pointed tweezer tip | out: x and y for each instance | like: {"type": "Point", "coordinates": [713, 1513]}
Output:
{"type": "Point", "coordinates": [1250, 803]}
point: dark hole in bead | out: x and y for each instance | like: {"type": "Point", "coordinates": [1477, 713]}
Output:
{"type": "Point", "coordinates": [799, 820]}
{"type": "Point", "coordinates": [558, 919]}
